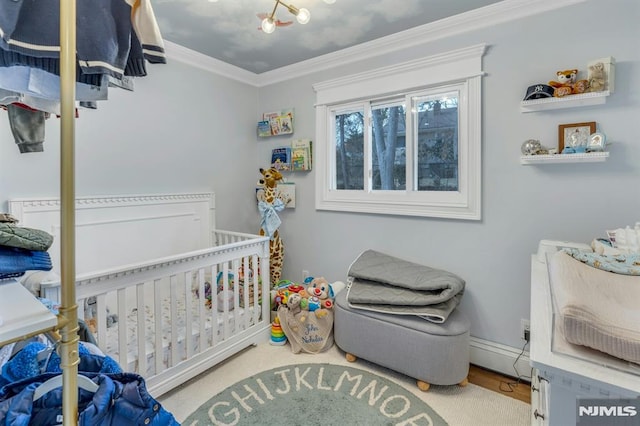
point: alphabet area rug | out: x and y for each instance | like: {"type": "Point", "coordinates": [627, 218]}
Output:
{"type": "Point", "coordinates": [315, 394]}
{"type": "Point", "coordinates": [459, 406]}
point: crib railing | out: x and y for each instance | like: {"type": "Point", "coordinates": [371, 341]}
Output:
{"type": "Point", "coordinates": [172, 318]}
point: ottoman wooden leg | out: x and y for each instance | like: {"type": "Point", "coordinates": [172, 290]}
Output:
{"type": "Point", "coordinates": [423, 386]}
{"type": "Point", "coordinates": [351, 357]}
{"type": "Point", "coordinates": [464, 382]}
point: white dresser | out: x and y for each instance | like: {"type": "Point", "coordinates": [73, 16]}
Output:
{"type": "Point", "coordinates": [559, 380]}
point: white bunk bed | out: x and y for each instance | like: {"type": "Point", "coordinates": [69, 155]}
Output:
{"type": "Point", "coordinates": [151, 260]}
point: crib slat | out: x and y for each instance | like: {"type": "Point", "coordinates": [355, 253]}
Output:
{"type": "Point", "coordinates": [81, 312]}
{"type": "Point", "coordinates": [142, 329]}
{"type": "Point", "coordinates": [245, 290]}
{"type": "Point", "coordinates": [214, 306]}
{"type": "Point", "coordinates": [158, 352]}
{"type": "Point", "coordinates": [201, 309]}
{"type": "Point", "coordinates": [225, 303]}
{"type": "Point", "coordinates": [188, 341]}
{"type": "Point", "coordinates": [123, 349]}
{"type": "Point", "coordinates": [101, 320]}
{"type": "Point", "coordinates": [236, 295]}
{"type": "Point", "coordinates": [173, 316]}
{"type": "Point", "coordinates": [255, 281]}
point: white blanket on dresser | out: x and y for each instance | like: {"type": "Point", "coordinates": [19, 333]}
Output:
{"type": "Point", "coordinates": [598, 309]}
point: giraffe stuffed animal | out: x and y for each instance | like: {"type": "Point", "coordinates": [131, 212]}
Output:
{"type": "Point", "coordinates": [268, 205]}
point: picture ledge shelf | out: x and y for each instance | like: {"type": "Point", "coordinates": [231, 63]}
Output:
{"type": "Point", "coordinates": [590, 157]}
{"type": "Point", "coordinates": [584, 99]}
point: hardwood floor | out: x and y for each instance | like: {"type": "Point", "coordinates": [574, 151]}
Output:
{"type": "Point", "coordinates": [497, 382]}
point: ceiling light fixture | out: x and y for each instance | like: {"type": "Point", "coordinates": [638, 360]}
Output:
{"type": "Point", "coordinates": [302, 15]}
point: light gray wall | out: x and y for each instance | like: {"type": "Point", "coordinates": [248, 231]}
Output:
{"type": "Point", "coordinates": [182, 130]}
{"type": "Point", "coordinates": [185, 129]}
{"type": "Point", "coordinates": [521, 204]}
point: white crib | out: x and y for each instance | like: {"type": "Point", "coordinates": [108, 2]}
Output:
{"type": "Point", "coordinates": [152, 260]}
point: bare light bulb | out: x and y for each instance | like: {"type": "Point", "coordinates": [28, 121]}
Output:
{"type": "Point", "coordinates": [303, 15]}
{"type": "Point", "coordinates": [268, 26]}
{"type": "Point", "coordinates": [329, 1]}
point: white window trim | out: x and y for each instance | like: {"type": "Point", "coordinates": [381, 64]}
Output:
{"type": "Point", "coordinates": [454, 67]}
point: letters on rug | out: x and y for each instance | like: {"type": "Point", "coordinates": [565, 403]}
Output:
{"type": "Point", "coordinates": [314, 394]}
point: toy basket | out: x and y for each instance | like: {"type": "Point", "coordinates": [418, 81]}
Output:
{"type": "Point", "coordinates": [307, 331]}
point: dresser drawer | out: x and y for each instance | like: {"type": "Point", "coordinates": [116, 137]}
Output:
{"type": "Point", "coordinates": [539, 400]}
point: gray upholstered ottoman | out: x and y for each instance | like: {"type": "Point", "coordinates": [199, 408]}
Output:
{"type": "Point", "coordinates": [431, 353]}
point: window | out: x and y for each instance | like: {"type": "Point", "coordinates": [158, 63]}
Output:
{"type": "Point", "coordinates": [414, 152]}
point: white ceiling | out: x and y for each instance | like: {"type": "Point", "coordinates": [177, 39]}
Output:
{"type": "Point", "coordinates": [227, 30]}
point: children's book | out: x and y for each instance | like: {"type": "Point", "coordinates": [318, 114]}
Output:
{"type": "Point", "coordinates": [281, 158]}
{"type": "Point", "coordinates": [285, 126]}
{"type": "Point", "coordinates": [280, 122]}
{"type": "Point", "coordinates": [264, 128]}
{"type": "Point", "coordinates": [301, 155]}
{"type": "Point", "coordinates": [275, 127]}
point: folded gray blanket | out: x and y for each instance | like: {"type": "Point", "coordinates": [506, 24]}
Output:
{"type": "Point", "coordinates": [383, 283]}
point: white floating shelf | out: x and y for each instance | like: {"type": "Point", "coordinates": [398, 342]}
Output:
{"type": "Point", "coordinates": [21, 313]}
{"type": "Point", "coordinates": [570, 101]}
{"type": "Point", "coordinates": [589, 157]}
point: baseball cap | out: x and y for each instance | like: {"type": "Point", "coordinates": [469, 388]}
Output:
{"type": "Point", "coordinates": [538, 91]}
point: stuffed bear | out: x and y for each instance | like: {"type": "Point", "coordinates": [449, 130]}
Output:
{"type": "Point", "coordinates": [566, 83]}
{"type": "Point", "coordinates": [293, 303]}
{"type": "Point", "coordinates": [596, 77]}
{"type": "Point", "coordinates": [294, 306]}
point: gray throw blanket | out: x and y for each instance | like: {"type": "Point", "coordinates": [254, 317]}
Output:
{"type": "Point", "coordinates": [382, 283]}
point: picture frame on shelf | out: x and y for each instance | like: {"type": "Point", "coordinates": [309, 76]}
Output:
{"type": "Point", "coordinates": [575, 136]}
{"type": "Point", "coordinates": [597, 142]}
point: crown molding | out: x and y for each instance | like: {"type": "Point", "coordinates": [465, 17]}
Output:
{"type": "Point", "coordinates": [196, 59]}
{"type": "Point", "coordinates": [488, 16]}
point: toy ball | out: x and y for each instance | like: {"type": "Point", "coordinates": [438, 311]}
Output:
{"type": "Point", "coordinates": [530, 147]}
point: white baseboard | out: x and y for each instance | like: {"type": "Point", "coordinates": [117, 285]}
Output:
{"type": "Point", "coordinates": [500, 358]}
